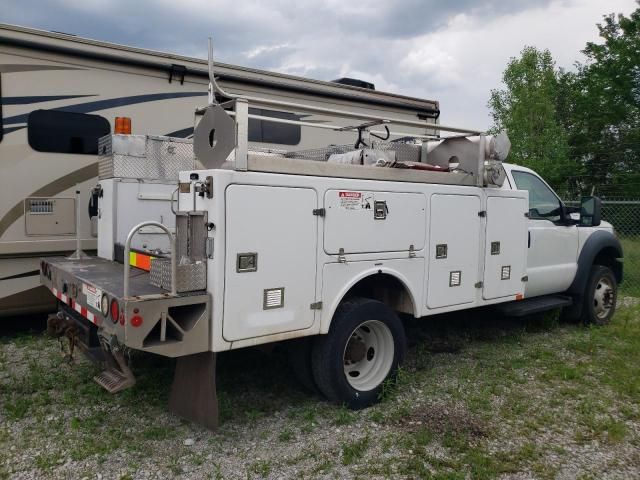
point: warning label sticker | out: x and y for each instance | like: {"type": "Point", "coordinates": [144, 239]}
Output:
{"type": "Point", "coordinates": [94, 295]}
{"type": "Point", "coordinates": [350, 200]}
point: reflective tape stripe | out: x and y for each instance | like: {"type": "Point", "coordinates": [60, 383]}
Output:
{"type": "Point", "coordinates": [75, 305]}
{"type": "Point", "coordinates": [140, 260]}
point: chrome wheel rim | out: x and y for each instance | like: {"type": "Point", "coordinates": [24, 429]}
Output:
{"type": "Point", "coordinates": [368, 355]}
{"type": "Point", "coordinates": [603, 298]}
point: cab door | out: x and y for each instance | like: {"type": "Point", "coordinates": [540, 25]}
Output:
{"type": "Point", "coordinates": [552, 244]}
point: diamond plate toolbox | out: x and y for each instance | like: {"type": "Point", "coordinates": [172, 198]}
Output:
{"type": "Point", "coordinates": [190, 276]}
{"type": "Point", "coordinates": [144, 156]}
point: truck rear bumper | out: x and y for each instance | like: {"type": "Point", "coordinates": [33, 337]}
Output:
{"type": "Point", "coordinates": [149, 319]}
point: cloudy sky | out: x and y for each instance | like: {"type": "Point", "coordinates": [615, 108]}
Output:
{"type": "Point", "coordinates": [452, 51]}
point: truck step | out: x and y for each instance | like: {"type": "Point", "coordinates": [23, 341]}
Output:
{"type": "Point", "coordinates": [114, 381]}
{"type": "Point", "coordinates": [117, 376]}
{"type": "Point", "coordinates": [530, 306]}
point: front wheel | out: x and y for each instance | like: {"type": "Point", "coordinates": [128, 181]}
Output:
{"type": "Point", "coordinates": [364, 347]}
{"type": "Point", "coordinates": [600, 296]}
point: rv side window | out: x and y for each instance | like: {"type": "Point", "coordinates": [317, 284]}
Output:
{"type": "Point", "coordinates": [65, 132]}
{"type": "Point", "coordinates": [265, 131]}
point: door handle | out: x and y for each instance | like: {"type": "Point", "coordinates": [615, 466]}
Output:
{"type": "Point", "coordinates": [529, 239]}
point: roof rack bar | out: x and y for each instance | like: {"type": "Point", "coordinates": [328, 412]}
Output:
{"type": "Point", "coordinates": [361, 116]}
{"type": "Point", "coordinates": [332, 127]}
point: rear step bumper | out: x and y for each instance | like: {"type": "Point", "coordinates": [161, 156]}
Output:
{"type": "Point", "coordinates": [531, 306]}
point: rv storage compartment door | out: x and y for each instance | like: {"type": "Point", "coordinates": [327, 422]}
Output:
{"type": "Point", "coordinates": [453, 250]}
{"type": "Point", "coordinates": [366, 222]}
{"type": "Point", "coordinates": [50, 216]}
{"type": "Point", "coordinates": [505, 257]}
{"type": "Point", "coordinates": [270, 264]}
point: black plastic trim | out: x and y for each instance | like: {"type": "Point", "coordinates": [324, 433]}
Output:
{"type": "Point", "coordinates": [596, 242]}
{"type": "Point", "coordinates": [168, 67]}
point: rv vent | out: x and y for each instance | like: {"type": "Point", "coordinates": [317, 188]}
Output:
{"type": "Point", "coordinates": [39, 207]}
{"type": "Point", "coordinates": [354, 82]}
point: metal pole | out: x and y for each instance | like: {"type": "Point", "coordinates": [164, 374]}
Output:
{"type": "Point", "coordinates": [78, 254]}
{"type": "Point", "coordinates": [242, 134]}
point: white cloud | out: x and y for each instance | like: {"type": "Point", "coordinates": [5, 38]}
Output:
{"type": "Point", "coordinates": [474, 52]}
{"type": "Point", "coordinates": [452, 51]}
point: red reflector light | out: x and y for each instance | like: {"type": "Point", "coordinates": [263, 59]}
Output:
{"type": "Point", "coordinates": [136, 321]}
{"type": "Point", "coordinates": [114, 310]}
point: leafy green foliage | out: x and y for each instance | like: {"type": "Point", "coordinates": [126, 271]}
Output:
{"type": "Point", "coordinates": [527, 108]}
{"type": "Point", "coordinates": [579, 130]}
{"type": "Point", "coordinates": [605, 128]}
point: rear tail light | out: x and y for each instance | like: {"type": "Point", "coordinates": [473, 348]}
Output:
{"type": "Point", "coordinates": [114, 310]}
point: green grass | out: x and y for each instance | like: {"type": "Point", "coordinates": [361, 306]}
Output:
{"type": "Point", "coordinates": [478, 397]}
{"type": "Point", "coordinates": [631, 281]}
{"type": "Point", "coordinates": [354, 450]}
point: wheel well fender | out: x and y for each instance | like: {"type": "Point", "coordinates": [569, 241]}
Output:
{"type": "Point", "coordinates": [384, 284]}
{"type": "Point", "coordinates": [601, 248]}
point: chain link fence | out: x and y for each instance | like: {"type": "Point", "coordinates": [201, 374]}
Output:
{"type": "Point", "coordinates": [624, 215]}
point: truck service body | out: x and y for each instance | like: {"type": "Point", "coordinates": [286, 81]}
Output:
{"type": "Point", "coordinates": [319, 249]}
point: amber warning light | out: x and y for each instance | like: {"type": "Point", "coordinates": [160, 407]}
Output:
{"type": "Point", "coordinates": [122, 126]}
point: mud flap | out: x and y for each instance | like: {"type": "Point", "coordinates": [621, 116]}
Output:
{"type": "Point", "coordinates": [193, 393]}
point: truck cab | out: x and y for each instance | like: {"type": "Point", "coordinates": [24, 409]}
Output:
{"type": "Point", "coordinates": [563, 242]}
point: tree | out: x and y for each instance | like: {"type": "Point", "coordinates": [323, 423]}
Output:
{"type": "Point", "coordinates": [528, 109]}
{"type": "Point", "coordinates": [604, 134]}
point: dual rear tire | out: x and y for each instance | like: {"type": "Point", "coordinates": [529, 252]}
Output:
{"type": "Point", "coordinates": [365, 346]}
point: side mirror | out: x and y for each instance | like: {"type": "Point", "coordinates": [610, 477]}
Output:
{"type": "Point", "coordinates": [590, 211]}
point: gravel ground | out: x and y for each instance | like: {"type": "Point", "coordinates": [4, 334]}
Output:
{"type": "Point", "coordinates": [477, 398]}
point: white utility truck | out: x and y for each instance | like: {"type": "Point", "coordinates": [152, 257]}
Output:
{"type": "Point", "coordinates": [318, 249]}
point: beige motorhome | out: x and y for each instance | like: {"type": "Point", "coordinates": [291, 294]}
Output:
{"type": "Point", "coordinates": [59, 93]}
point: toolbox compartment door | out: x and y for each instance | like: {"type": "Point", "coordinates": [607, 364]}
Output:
{"type": "Point", "coordinates": [360, 221]}
{"type": "Point", "coordinates": [453, 250]}
{"type": "Point", "coordinates": [270, 263]}
{"type": "Point", "coordinates": [505, 258]}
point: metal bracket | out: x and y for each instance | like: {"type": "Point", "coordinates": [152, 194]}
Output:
{"type": "Point", "coordinates": [316, 306]}
{"type": "Point", "coordinates": [482, 213]}
{"type": "Point", "coordinates": [412, 251]}
{"type": "Point", "coordinates": [341, 257]}
{"type": "Point", "coordinates": [177, 72]}
{"type": "Point", "coordinates": [320, 212]}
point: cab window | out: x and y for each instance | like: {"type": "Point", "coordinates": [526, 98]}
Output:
{"type": "Point", "coordinates": [543, 203]}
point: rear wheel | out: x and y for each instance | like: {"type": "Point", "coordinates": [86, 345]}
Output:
{"type": "Point", "coordinates": [364, 347]}
{"type": "Point", "coordinates": [600, 296]}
